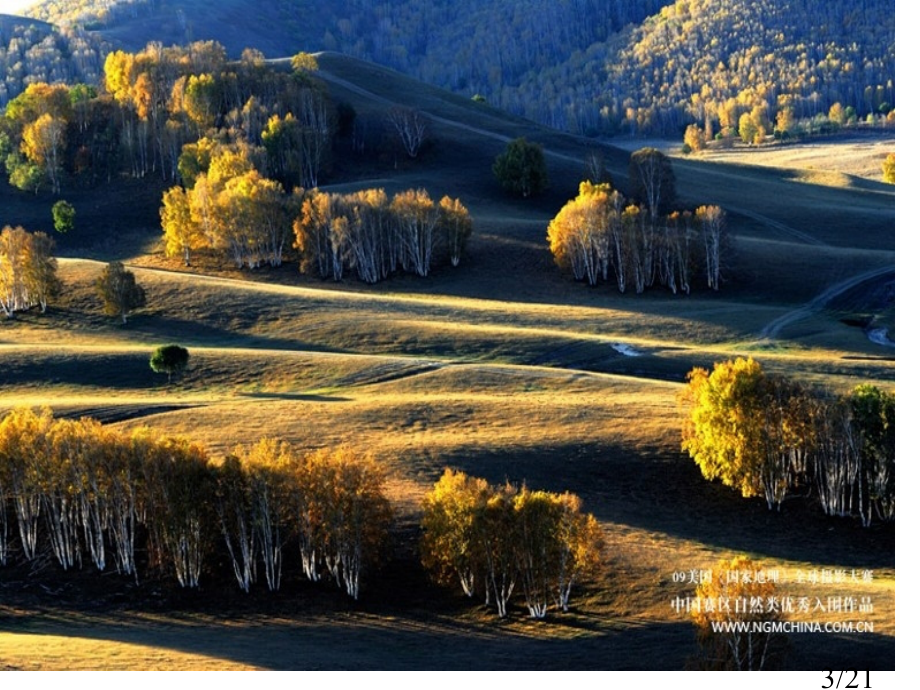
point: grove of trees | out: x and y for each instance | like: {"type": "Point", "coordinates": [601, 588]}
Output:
{"type": "Point", "coordinates": [598, 236]}
{"type": "Point", "coordinates": [738, 594]}
{"type": "Point", "coordinates": [374, 235]}
{"type": "Point", "coordinates": [145, 108]}
{"type": "Point", "coordinates": [92, 494]}
{"type": "Point", "coordinates": [494, 540]}
{"type": "Point", "coordinates": [766, 435]}
{"type": "Point", "coordinates": [28, 270]}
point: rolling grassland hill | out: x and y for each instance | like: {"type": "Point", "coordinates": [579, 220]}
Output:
{"type": "Point", "coordinates": [503, 367]}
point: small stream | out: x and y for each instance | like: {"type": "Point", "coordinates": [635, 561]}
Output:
{"type": "Point", "coordinates": [879, 336]}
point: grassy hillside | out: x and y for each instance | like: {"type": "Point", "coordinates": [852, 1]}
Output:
{"type": "Point", "coordinates": [503, 367]}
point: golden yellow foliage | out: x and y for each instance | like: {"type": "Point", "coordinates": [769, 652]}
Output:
{"type": "Point", "coordinates": [740, 592]}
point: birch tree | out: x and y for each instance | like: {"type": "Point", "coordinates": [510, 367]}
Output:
{"type": "Point", "coordinates": [495, 529]}
{"type": "Point", "coordinates": [713, 232]}
{"type": "Point", "coordinates": [181, 233]}
{"type": "Point", "coordinates": [411, 127]}
{"type": "Point", "coordinates": [871, 439]}
{"type": "Point", "coordinates": [580, 546]}
{"type": "Point", "coordinates": [28, 271]}
{"type": "Point", "coordinates": [416, 217]}
{"type": "Point", "coordinates": [580, 235]}
{"type": "Point", "coordinates": [43, 143]}
{"type": "Point", "coordinates": [13, 290]}
{"type": "Point", "coordinates": [739, 647]}
{"type": "Point", "coordinates": [41, 279]}
{"type": "Point", "coordinates": [118, 290]}
{"type": "Point", "coordinates": [235, 515]}
{"type": "Point", "coordinates": [450, 547]}
{"type": "Point", "coordinates": [652, 180]}
{"type": "Point", "coordinates": [24, 441]}
{"type": "Point", "coordinates": [537, 542]}
{"type": "Point", "coordinates": [265, 467]}
{"type": "Point", "coordinates": [723, 424]}
{"type": "Point", "coordinates": [353, 513]}
{"type": "Point", "coordinates": [456, 226]}
{"type": "Point", "coordinates": [176, 477]}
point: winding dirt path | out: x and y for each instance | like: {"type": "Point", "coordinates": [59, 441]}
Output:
{"type": "Point", "coordinates": [772, 330]}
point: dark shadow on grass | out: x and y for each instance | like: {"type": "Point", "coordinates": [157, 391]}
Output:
{"type": "Point", "coordinates": [359, 642]}
{"type": "Point", "coordinates": [92, 370]}
{"type": "Point", "coordinates": [195, 333]}
{"type": "Point", "coordinates": [307, 397]}
{"type": "Point", "coordinates": [118, 413]}
{"type": "Point", "coordinates": [667, 494]}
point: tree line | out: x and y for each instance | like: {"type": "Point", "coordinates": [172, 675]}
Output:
{"type": "Point", "coordinates": [769, 436]}
{"type": "Point", "coordinates": [94, 494]}
{"type": "Point", "coordinates": [588, 66]}
{"type": "Point", "coordinates": [598, 236]}
{"type": "Point", "coordinates": [495, 540]}
{"type": "Point", "coordinates": [146, 505]}
{"type": "Point", "coordinates": [149, 105]}
{"type": "Point", "coordinates": [229, 206]}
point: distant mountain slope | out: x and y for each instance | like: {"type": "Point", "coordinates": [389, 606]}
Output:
{"type": "Point", "coordinates": [718, 58]}
{"type": "Point", "coordinates": [33, 50]}
{"type": "Point", "coordinates": [488, 47]}
{"type": "Point", "coordinates": [583, 65]}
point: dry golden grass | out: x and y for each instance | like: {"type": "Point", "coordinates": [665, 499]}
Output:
{"type": "Point", "coordinates": [831, 161]}
{"type": "Point", "coordinates": [484, 387]}
{"type": "Point", "coordinates": [505, 369]}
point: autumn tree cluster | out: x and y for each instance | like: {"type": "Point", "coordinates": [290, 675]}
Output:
{"type": "Point", "coordinates": [599, 236]}
{"type": "Point", "coordinates": [769, 436]}
{"type": "Point", "coordinates": [373, 235]}
{"type": "Point", "coordinates": [330, 503]}
{"type": "Point", "coordinates": [28, 270]}
{"type": "Point", "coordinates": [739, 68]}
{"type": "Point", "coordinates": [151, 104]}
{"type": "Point", "coordinates": [93, 494]}
{"type": "Point", "coordinates": [736, 598]}
{"type": "Point", "coordinates": [228, 206]}
{"type": "Point", "coordinates": [496, 540]}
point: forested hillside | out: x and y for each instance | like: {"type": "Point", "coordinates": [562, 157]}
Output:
{"type": "Point", "coordinates": [717, 59]}
{"type": "Point", "coordinates": [33, 51]}
{"type": "Point", "coordinates": [586, 65]}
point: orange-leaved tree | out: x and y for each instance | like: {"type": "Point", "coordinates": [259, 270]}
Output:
{"type": "Point", "coordinates": [736, 616]}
